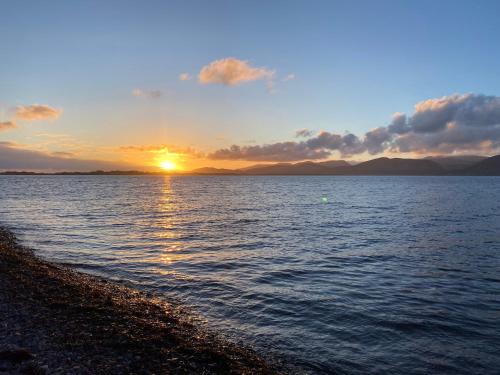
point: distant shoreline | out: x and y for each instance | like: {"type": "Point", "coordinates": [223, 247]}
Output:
{"type": "Point", "coordinates": [57, 320]}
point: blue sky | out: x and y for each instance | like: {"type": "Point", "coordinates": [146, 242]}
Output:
{"type": "Point", "coordinates": [355, 63]}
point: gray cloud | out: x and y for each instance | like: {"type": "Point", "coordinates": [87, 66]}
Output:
{"type": "Point", "coordinates": [306, 133]}
{"type": "Point", "coordinates": [454, 138]}
{"type": "Point", "coordinates": [455, 123]}
{"type": "Point", "coordinates": [351, 145]}
{"type": "Point", "coordinates": [399, 124]}
{"type": "Point", "coordinates": [377, 140]}
{"type": "Point", "coordinates": [347, 145]}
{"type": "Point", "coordinates": [319, 147]}
{"type": "Point", "coordinates": [14, 157]}
{"type": "Point", "coordinates": [434, 115]}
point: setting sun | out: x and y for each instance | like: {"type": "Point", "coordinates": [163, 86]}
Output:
{"type": "Point", "coordinates": [168, 165]}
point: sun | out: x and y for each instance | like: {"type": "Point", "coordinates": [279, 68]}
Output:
{"type": "Point", "coordinates": [168, 165]}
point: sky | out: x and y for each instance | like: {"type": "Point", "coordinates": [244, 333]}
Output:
{"type": "Point", "coordinates": [90, 85]}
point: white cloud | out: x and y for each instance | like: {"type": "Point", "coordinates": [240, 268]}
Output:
{"type": "Point", "coordinates": [231, 72]}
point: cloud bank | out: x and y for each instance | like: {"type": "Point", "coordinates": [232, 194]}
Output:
{"type": "Point", "coordinates": [36, 112]}
{"type": "Point", "coordinates": [453, 123]}
{"type": "Point", "coordinates": [282, 151]}
{"type": "Point", "coordinates": [231, 72]}
{"type": "Point", "coordinates": [15, 157]}
{"type": "Point", "coordinates": [460, 123]}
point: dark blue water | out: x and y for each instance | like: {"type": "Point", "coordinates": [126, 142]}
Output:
{"type": "Point", "coordinates": [396, 275]}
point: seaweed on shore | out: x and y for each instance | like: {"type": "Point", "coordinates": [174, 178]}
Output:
{"type": "Point", "coordinates": [60, 321]}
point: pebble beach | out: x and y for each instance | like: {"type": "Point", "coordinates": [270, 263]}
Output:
{"type": "Point", "coordinates": [55, 320]}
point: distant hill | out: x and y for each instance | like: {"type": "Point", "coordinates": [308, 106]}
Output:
{"type": "Point", "coordinates": [380, 166]}
{"type": "Point", "coordinates": [304, 168]}
{"type": "Point", "coordinates": [452, 163]}
{"type": "Point", "coordinates": [396, 166]}
{"type": "Point", "coordinates": [486, 167]}
{"type": "Point", "coordinates": [307, 167]}
{"type": "Point", "coordinates": [212, 171]}
{"type": "Point", "coordinates": [334, 163]}
{"type": "Point", "coordinates": [257, 166]}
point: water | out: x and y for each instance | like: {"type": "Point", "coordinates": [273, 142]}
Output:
{"type": "Point", "coordinates": [395, 275]}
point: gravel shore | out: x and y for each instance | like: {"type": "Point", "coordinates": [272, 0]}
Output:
{"type": "Point", "coordinates": [54, 320]}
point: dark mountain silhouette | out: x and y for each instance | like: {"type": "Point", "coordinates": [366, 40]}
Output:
{"type": "Point", "coordinates": [380, 166]}
{"type": "Point", "coordinates": [453, 163]}
{"type": "Point", "coordinates": [396, 166]}
{"type": "Point", "coordinates": [334, 163]}
{"type": "Point", "coordinates": [304, 168]}
{"type": "Point", "coordinates": [257, 166]}
{"type": "Point", "coordinates": [212, 171]}
{"type": "Point", "coordinates": [486, 167]}
{"type": "Point", "coordinates": [292, 168]}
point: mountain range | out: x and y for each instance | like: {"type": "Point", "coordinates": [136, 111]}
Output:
{"type": "Point", "coordinates": [430, 166]}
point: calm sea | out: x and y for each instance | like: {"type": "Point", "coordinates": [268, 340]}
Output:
{"type": "Point", "coordinates": [348, 275]}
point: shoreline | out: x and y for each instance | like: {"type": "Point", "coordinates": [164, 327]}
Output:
{"type": "Point", "coordinates": [56, 320]}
